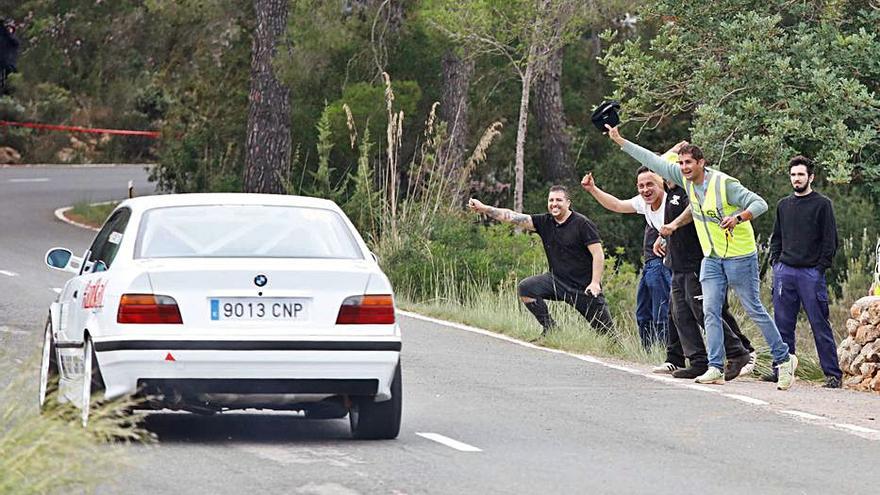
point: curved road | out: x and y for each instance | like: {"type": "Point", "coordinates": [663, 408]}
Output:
{"type": "Point", "coordinates": [481, 415]}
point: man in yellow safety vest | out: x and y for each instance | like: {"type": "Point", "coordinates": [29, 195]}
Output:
{"type": "Point", "coordinates": [722, 209]}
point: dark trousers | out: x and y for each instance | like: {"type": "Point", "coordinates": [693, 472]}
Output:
{"type": "Point", "coordinates": [674, 352]}
{"type": "Point", "coordinates": [687, 311]}
{"type": "Point", "coordinates": [795, 287]}
{"type": "Point", "coordinates": [547, 287]}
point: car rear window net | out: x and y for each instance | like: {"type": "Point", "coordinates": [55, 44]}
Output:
{"type": "Point", "coordinates": [252, 231]}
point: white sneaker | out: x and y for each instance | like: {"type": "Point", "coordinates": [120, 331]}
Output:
{"type": "Point", "coordinates": [712, 375]}
{"type": "Point", "coordinates": [750, 366]}
{"type": "Point", "coordinates": [786, 373]}
{"type": "Point", "coordinates": [664, 369]}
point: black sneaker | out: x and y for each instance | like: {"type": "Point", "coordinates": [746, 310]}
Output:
{"type": "Point", "coordinates": [770, 377]}
{"type": "Point", "coordinates": [734, 366]}
{"type": "Point", "coordinates": [832, 382]}
{"type": "Point", "coordinates": [689, 373]}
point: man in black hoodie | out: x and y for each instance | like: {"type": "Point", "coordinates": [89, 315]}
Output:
{"type": "Point", "coordinates": [8, 53]}
{"type": "Point", "coordinates": [802, 247]}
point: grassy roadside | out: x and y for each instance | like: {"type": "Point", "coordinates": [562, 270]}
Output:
{"type": "Point", "coordinates": [501, 312]}
{"type": "Point", "coordinates": [90, 214]}
{"type": "Point", "coordinates": [51, 452]}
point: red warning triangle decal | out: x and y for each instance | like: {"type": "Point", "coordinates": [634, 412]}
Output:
{"type": "Point", "coordinates": [169, 357]}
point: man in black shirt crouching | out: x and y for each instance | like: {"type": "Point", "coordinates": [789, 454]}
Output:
{"type": "Point", "coordinates": [574, 252]}
{"type": "Point", "coordinates": [802, 247]}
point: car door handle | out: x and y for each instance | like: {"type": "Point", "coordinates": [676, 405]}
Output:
{"type": "Point", "coordinates": [75, 293]}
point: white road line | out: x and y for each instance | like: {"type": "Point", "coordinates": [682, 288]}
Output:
{"type": "Point", "coordinates": [449, 442]}
{"type": "Point", "coordinates": [8, 273]}
{"type": "Point", "coordinates": [859, 431]}
{"type": "Point", "coordinates": [39, 179]}
{"type": "Point", "coordinates": [5, 329]}
{"type": "Point", "coordinates": [661, 378]}
{"type": "Point", "coordinates": [701, 388]}
{"type": "Point", "coordinates": [750, 400]}
{"type": "Point", "coordinates": [856, 428]}
{"type": "Point", "coordinates": [622, 368]}
{"type": "Point", "coordinates": [805, 415]}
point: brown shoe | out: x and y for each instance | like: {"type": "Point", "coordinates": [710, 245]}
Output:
{"type": "Point", "coordinates": [734, 366]}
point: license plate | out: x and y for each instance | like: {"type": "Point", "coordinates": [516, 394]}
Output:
{"type": "Point", "coordinates": [260, 308]}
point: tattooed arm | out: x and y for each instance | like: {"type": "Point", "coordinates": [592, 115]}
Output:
{"type": "Point", "coordinates": [502, 214]}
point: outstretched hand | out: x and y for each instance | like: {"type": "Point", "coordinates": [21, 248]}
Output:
{"type": "Point", "coordinates": [588, 182]}
{"type": "Point", "coordinates": [614, 134]}
{"type": "Point", "coordinates": [476, 205]}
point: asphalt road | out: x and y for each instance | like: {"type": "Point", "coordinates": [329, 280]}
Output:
{"type": "Point", "coordinates": [528, 421]}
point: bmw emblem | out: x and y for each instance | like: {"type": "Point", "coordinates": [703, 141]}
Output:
{"type": "Point", "coordinates": [260, 280]}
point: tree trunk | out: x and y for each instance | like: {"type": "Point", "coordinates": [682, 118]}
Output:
{"type": "Point", "coordinates": [454, 109]}
{"type": "Point", "coordinates": [268, 127]}
{"type": "Point", "coordinates": [556, 166]}
{"type": "Point", "coordinates": [521, 129]}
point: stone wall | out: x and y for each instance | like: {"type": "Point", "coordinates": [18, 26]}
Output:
{"type": "Point", "coordinates": [859, 352]}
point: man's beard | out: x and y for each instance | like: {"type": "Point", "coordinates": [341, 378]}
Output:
{"type": "Point", "coordinates": [800, 189]}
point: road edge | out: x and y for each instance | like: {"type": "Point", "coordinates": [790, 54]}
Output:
{"type": "Point", "coordinates": [778, 409]}
{"type": "Point", "coordinates": [60, 215]}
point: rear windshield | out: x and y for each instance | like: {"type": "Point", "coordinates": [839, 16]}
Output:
{"type": "Point", "coordinates": [244, 231]}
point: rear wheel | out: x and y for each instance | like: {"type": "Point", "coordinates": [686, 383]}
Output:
{"type": "Point", "coordinates": [372, 420]}
{"type": "Point", "coordinates": [92, 382]}
{"type": "Point", "coordinates": [48, 368]}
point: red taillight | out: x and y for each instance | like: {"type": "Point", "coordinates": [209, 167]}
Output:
{"type": "Point", "coordinates": [365, 310]}
{"type": "Point", "coordinates": [147, 308]}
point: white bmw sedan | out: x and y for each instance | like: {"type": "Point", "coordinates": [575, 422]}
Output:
{"type": "Point", "coordinates": [210, 302]}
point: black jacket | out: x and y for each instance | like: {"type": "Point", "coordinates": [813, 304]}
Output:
{"type": "Point", "coordinates": [8, 50]}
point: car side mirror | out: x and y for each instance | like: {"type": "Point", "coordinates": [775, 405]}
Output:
{"type": "Point", "coordinates": [62, 259]}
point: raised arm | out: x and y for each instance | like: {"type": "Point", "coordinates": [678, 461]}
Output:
{"type": "Point", "coordinates": [667, 170]}
{"type": "Point", "coordinates": [607, 200]}
{"type": "Point", "coordinates": [502, 214]}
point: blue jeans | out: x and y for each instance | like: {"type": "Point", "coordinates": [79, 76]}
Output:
{"type": "Point", "coordinates": [652, 302]}
{"type": "Point", "coordinates": [740, 274]}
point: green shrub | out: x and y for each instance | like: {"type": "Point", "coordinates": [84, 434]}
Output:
{"type": "Point", "coordinates": [458, 254]}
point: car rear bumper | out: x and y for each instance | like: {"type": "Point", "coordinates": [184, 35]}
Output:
{"type": "Point", "coordinates": [242, 367]}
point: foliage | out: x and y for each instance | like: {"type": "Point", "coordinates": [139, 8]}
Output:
{"type": "Point", "coordinates": [764, 80]}
{"type": "Point", "coordinates": [366, 103]}
{"type": "Point", "coordinates": [94, 214]}
{"type": "Point", "coordinates": [202, 80]}
{"type": "Point", "coordinates": [463, 253]}
{"type": "Point", "coordinates": [51, 452]}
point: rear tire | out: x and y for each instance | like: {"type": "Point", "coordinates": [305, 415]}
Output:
{"type": "Point", "coordinates": [92, 381]}
{"type": "Point", "coordinates": [372, 420]}
{"type": "Point", "coordinates": [48, 368]}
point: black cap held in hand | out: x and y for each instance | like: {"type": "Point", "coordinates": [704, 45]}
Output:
{"type": "Point", "coordinates": [606, 113]}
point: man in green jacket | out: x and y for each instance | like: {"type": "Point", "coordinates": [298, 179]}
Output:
{"type": "Point", "coordinates": [722, 209]}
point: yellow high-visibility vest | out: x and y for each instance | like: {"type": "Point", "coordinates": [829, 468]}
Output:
{"type": "Point", "coordinates": [714, 240]}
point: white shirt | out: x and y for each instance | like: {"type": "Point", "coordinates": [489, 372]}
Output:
{"type": "Point", "coordinates": [653, 217]}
